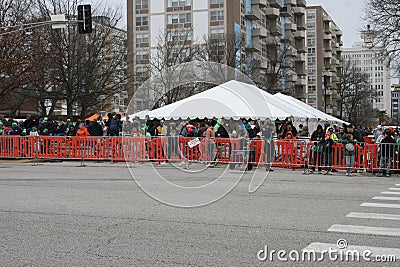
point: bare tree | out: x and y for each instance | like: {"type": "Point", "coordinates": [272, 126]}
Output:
{"type": "Point", "coordinates": [83, 67]}
{"type": "Point", "coordinates": [174, 48]}
{"type": "Point", "coordinates": [383, 17]}
{"type": "Point", "coordinates": [355, 93]}
{"type": "Point", "coordinates": [277, 63]}
{"type": "Point", "coordinates": [15, 55]}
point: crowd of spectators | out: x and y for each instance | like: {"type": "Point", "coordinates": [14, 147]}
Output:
{"type": "Point", "coordinates": [109, 126]}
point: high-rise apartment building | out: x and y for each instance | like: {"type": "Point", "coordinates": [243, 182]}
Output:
{"type": "Point", "coordinates": [324, 47]}
{"type": "Point", "coordinates": [259, 23]}
{"type": "Point", "coordinates": [369, 60]}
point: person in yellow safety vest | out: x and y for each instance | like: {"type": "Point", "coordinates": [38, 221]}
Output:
{"type": "Point", "coordinates": [332, 135]}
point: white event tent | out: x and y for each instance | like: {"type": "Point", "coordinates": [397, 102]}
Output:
{"type": "Point", "coordinates": [235, 100]}
{"type": "Point", "coordinates": [231, 100]}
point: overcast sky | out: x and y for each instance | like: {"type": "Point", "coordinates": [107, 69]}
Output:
{"type": "Point", "coordinates": [346, 14]}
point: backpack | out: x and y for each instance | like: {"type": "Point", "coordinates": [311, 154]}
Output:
{"type": "Point", "coordinates": [349, 147]}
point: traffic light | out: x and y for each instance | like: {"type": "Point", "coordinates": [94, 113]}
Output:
{"type": "Point", "coordinates": [84, 19]}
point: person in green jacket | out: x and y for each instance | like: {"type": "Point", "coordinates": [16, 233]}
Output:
{"type": "Point", "coordinates": [349, 151]}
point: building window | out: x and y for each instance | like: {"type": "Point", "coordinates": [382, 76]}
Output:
{"type": "Point", "coordinates": [179, 3]}
{"type": "Point", "coordinates": [142, 55]}
{"type": "Point", "coordinates": [141, 4]}
{"type": "Point", "coordinates": [312, 99]}
{"type": "Point", "coordinates": [142, 72]}
{"type": "Point", "coordinates": [217, 15]}
{"type": "Point", "coordinates": [141, 38]}
{"type": "Point", "coordinates": [312, 79]}
{"type": "Point", "coordinates": [179, 36]}
{"type": "Point", "coordinates": [180, 18]}
{"type": "Point", "coordinates": [311, 13]}
{"type": "Point", "coordinates": [217, 3]}
{"type": "Point", "coordinates": [141, 22]}
{"type": "Point", "coordinates": [311, 60]}
{"type": "Point", "coordinates": [217, 34]}
{"type": "Point", "coordinates": [311, 41]}
{"type": "Point", "coordinates": [312, 89]}
{"type": "Point", "coordinates": [312, 70]}
{"type": "Point", "coordinates": [311, 50]}
{"type": "Point", "coordinates": [311, 32]}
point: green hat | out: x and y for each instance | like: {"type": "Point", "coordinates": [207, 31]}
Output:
{"type": "Point", "coordinates": [24, 131]}
{"type": "Point", "coordinates": [46, 130]}
{"type": "Point", "coordinates": [14, 125]}
{"type": "Point", "coordinates": [45, 119]}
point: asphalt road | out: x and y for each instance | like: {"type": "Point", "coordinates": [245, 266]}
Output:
{"type": "Point", "coordinates": [59, 214]}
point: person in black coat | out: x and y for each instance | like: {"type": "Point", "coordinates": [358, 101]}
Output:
{"type": "Point", "coordinates": [316, 158]}
{"type": "Point", "coordinates": [386, 150]}
{"type": "Point", "coordinates": [95, 129]}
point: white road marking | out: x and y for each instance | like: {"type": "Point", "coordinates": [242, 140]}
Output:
{"type": "Point", "coordinates": [390, 193]}
{"type": "Point", "coordinates": [378, 216]}
{"type": "Point", "coordinates": [366, 230]}
{"type": "Point", "coordinates": [386, 198]}
{"type": "Point", "coordinates": [381, 205]}
{"type": "Point", "coordinates": [394, 188]}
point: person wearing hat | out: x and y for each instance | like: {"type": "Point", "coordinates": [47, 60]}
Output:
{"type": "Point", "coordinates": [356, 135]}
{"type": "Point", "coordinates": [15, 130]}
{"type": "Point", "coordinates": [162, 129]}
{"type": "Point", "coordinates": [327, 143]}
{"type": "Point", "coordinates": [34, 131]}
{"type": "Point", "coordinates": [378, 132]}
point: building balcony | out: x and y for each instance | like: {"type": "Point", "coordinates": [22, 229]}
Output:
{"type": "Point", "coordinates": [301, 3]}
{"type": "Point", "coordinates": [291, 26]}
{"type": "Point", "coordinates": [254, 14]}
{"type": "Point", "coordinates": [326, 18]}
{"type": "Point", "coordinates": [275, 3]}
{"type": "Point", "coordinates": [261, 3]}
{"type": "Point", "coordinates": [264, 65]}
{"type": "Point", "coordinates": [287, 38]}
{"type": "Point", "coordinates": [327, 54]}
{"type": "Point", "coordinates": [327, 30]}
{"type": "Point", "coordinates": [291, 76]}
{"type": "Point", "coordinates": [301, 58]}
{"type": "Point", "coordinates": [301, 25]}
{"type": "Point", "coordinates": [301, 47]}
{"type": "Point", "coordinates": [286, 11]}
{"type": "Point", "coordinates": [328, 48]}
{"type": "Point", "coordinates": [327, 36]}
{"type": "Point", "coordinates": [298, 10]}
{"type": "Point", "coordinates": [290, 2]}
{"type": "Point", "coordinates": [301, 81]}
{"type": "Point", "coordinates": [300, 93]}
{"type": "Point", "coordinates": [255, 47]}
{"type": "Point", "coordinates": [301, 71]}
{"type": "Point", "coordinates": [259, 32]}
{"type": "Point", "coordinates": [271, 12]}
{"type": "Point", "coordinates": [275, 29]}
{"type": "Point", "coordinates": [299, 34]}
{"type": "Point", "coordinates": [328, 73]}
{"type": "Point", "coordinates": [270, 40]}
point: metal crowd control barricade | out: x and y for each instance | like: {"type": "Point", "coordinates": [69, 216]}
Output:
{"type": "Point", "coordinates": [240, 158]}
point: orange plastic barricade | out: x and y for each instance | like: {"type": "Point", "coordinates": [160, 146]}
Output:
{"type": "Point", "coordinates": [257, 152]}
{"type": "Point", "coordinates": [135, 149]}
{"type": "Point", "coordinates": [223, 149]}
{"type": "Point", "coordinates": [286, 154]}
